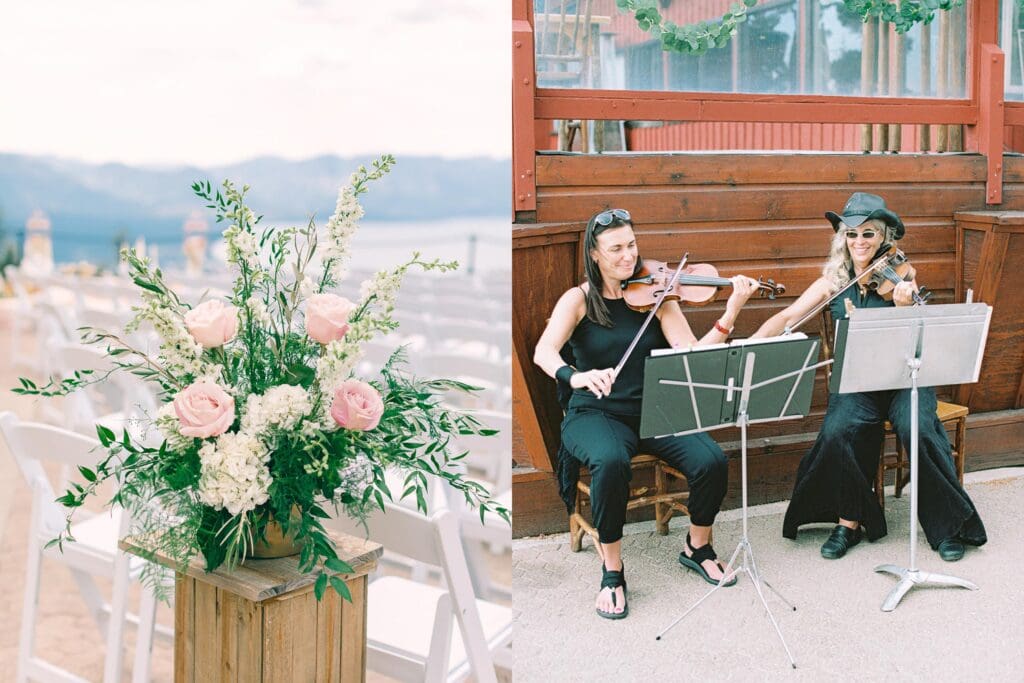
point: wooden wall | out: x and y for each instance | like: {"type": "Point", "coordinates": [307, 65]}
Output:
{"type": "Point", "coordinates": [757, 214]}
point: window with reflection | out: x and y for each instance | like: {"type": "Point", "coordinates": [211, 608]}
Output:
{"type": "Point", "coordinates": [784, 47]}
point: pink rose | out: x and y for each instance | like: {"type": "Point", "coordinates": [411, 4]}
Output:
{"type": "Point", "coordinates": [204, 410]}
{"type": "Point", "coordinates": [327, 317]}
{"type": "Point", "coordinates": [357, 405]}
{"type": "Point", "coordinates": [212, 324]}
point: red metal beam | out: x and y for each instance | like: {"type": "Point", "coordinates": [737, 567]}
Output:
{"type": "Point", "coordinates": [992, 119]}
{"type": "Point", "coordinates": [524, 89]}
{"type": "Point", "coordinates": [551, 103]}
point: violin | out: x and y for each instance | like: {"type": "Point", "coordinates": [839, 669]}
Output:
{"type": "Point", "coordinates": [697, 285]}
{"type": "Point", "coordinates": [889, 269]}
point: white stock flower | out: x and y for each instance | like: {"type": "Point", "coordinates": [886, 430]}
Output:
{"type": "Point", "coordinates": [180, 351]}
{"type": "Point", "coordinates": [307, 287]}
{"type": "Point", "coordinates": [234, 474]}
{"type": "Point", "coordinates": [259, 311]}
{"type": "Point", "coordinates": [241, 247]}
{"type": "Point", "coordinates": [281, 407]}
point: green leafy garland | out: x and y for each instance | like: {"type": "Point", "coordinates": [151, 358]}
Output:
{"type": "Point", "coordinates": [698, 38]}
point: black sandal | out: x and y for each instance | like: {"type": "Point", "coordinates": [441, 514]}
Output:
{"type": "Point", "coordinates": [614, 579]}
{"type": "Point", "coordinates": [701, 554]}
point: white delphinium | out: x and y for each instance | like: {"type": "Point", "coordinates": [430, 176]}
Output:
{"type": "Point", "coordinates": [234, 473]}
{"type": "Point", "coordinates": [281, 407]}
{"type": "Point", "coordinates": [180, 351]}
{"type": "Point", "coordinates": [383, 289]}
{"type": "Point", "coordinates": [341, 226]}
{"type": "Point", "coordinates": [169, 425]}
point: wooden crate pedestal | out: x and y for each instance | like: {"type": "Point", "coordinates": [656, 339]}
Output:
{"type": "Point", "coordinates": [262, 622]}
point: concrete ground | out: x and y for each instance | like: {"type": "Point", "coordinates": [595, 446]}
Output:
{"type": "Point", "coordinates": [838, 631]}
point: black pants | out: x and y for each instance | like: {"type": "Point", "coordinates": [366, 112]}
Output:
{"type": "Point", "coordinates": [606, 443]}
{"type": "Point", "coordinates": [835, 477]}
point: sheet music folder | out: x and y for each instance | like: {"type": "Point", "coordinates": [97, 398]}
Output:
{"type": "Point", "coordinates": [952, 347]}
{"type": "Point", "coordinates": [696, 390]}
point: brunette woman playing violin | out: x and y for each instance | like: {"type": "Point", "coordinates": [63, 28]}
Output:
{"type": "Point", "coordinates": [600, 428]}
{"type": "Point", "coordinates": [834, 479]}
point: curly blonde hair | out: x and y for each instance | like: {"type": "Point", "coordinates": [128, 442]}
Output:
{"type": "Point", "coordinates": [839, 264]}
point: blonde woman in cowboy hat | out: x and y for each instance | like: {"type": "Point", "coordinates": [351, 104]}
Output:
{"type": "Point", "coordinates": [834, 478]}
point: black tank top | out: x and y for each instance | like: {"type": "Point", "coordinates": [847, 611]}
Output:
{"type": "Point", "coordinates": [597, 347]}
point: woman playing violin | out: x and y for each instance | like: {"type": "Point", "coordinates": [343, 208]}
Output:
{"type": "Point", "coordinates": [834, 478]}
{"type": "Point", "coordinates": [600, 428]}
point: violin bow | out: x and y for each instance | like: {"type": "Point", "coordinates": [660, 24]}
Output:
{"type": "Point", "coordinates": [880, 263]}
{"type": "Point", "coordinates": [654, 310]}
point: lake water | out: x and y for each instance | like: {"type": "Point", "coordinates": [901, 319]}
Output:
{"type": "Point", "coordinates": [483, 243]}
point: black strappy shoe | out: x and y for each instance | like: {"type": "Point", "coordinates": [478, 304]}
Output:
{"type": "Point", "coordinates": [694, 562]}
{"type": "Point", "coordinates": [612, 579]}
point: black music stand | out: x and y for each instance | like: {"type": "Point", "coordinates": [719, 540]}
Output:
{"type": "Point", "coordinates": [712, 387]}
{"type": "Point", "coordinates": [955, 344]}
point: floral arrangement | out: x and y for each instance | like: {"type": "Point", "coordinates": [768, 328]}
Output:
{"type": "Point", "coordinates": [263, 419]}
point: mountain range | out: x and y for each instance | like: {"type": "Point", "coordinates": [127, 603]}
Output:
{"type": "Point", "coordinates": [96, 201]}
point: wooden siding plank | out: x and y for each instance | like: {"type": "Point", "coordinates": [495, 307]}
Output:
{"type": "Point", "coordinates": [718, 203]}
{"type": "Point", "coordinates": [551, 103]}
{"type": "Point", "coordinates": [184, 627]}
{"type": "Point", "coordinates": [353, 641]}
{"type": "Point", "coordinates": [741, 169]}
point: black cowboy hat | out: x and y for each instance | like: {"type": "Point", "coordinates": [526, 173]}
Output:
{"type": "Point", "coordinates": [861, 207]}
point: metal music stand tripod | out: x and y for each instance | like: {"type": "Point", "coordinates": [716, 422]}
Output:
{"type": "Point", "coordinates": [955, 336]}
{"type": "Point", "coordinates": [713, 379]}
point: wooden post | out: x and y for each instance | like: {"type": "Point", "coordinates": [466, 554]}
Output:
{"type": "Point", "coordinates": [262, 622]}
{"type": "Point", "coordinates": [941, 141]}
{"type": "Point", "coordinates": [867, 76]}
{"type": "Point", "coordinates": [524, 89]}
{"type": "Point", "coordinates": [896, 73]}
{"type": "Point", "coordinates": [992, 119]}
{"type": "Point", "coordinates": [957, 47]}
{"type": "Point", "coordinates": [882, 80]}
{"type": "Point", "coordinates": [924, 130]}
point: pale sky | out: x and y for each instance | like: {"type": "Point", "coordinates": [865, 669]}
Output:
{"type": "Point", "coordinates": [218, 81]}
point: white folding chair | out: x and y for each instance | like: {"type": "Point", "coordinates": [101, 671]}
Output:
{"type": "Point", "coordinates": [116, 403]}
{"type": "Point", "coordinates": [23, 317]}
{"type": "Point", "coordinates": [409, 624]}
{"type": "Point", "coordinates": [93, 554]}
{"type": "Point", "coordinates": [493, 377]}
{"type": "Point", "coordinates": [490, 456]}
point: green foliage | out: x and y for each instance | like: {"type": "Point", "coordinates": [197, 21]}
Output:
{"type": "Point", "coordinates": [695, 39]}
{"type": "Point", "coordinates": [699, 37]}
{"type": "Point", "coordinates": [903, 15]}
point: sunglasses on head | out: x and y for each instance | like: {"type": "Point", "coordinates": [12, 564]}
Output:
{"type": "Point", "coordinates": [606, 217]}
{"type": "Point", "coordinates": [867, 234]}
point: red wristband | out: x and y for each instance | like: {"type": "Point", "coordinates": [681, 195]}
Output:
{"type": "Point", "coordinates": [718, 326]}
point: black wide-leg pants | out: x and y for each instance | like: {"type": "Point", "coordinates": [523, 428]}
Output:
{"type": "Point", "coordinates": [605, 443]}
{"type": "Point", "coordinates": [835, 478]}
